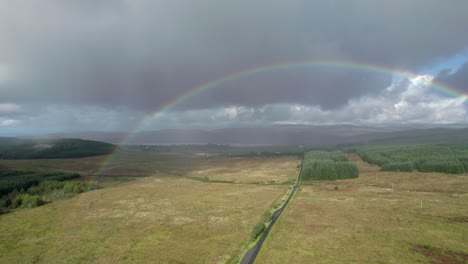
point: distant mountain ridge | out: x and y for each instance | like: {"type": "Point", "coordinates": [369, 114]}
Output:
{"type": "Point", "coordinates": [283, 135]}
{"type": "Point", "coordinates": [422, 136]}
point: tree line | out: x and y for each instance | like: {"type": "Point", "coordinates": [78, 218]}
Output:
{"type": "Point", "coordinates": [11, 149]}
{"type": "Point", "coordinates": [20, 190]}
{"type": "Point", "coordinates": [20, 180]}
{"type": "Point", "coordinates": [451, 159]}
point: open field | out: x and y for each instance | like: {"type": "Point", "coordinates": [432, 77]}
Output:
{"type": "Point", "coordinates": [165, 217]}
{"type": "Point", "coordinates": [265, 170]}
{"type": "Point", "coordinates": [126, 163]}
{"type": "Point", "coordinates": [376, 218]}
{"type": "Point", "coordinates": [130, 163]}
{"type": "Point", "coordinates": [166, 220]}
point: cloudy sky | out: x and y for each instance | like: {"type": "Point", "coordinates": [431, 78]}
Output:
{"type": "Point", "coordinates": [106, 65]}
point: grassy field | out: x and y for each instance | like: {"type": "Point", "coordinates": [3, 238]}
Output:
{"type": "Point", "coordinates": [164, 218]}
{"type": "Point", "coordinates": [127, 162]}
{"type": "Point", "coordinates": [381, 217]}
{"type": "Point", "coordinates": [131, 163]}
{"type": "Point", "coordinates": [265, 170]}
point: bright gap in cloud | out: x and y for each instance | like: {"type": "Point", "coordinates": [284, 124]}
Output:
{"type": "Point", "coordinates": [405, 101]}
{"type": "Point", "coordinates": [8, 122]}
{"type": "Point", "coordinates": [452, 64]}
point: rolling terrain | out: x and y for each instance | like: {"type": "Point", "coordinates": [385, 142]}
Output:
{"type": "Point", "coordinates": [209, 204]}
{"type": "Point", "coordinates": [153, 208]}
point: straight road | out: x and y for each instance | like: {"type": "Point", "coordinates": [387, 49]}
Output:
{"type": "Point", "coordinates": [251, 255]}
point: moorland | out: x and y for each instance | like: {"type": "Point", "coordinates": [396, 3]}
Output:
{"type": "Point", "coordinates": [363, 202]}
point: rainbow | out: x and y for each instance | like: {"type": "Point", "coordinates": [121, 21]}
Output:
{"type": "Point", "coordinates": [436, 86]}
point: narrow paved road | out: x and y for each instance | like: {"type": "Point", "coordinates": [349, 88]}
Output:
{"type": "Point", "coordinates": [251, 255]}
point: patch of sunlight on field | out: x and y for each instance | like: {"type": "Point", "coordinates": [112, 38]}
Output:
{"type": "Point", "coordinates": [265, 170]}
{"type": "Point", "coordinates": [376, 218]}
{"type": "Point", "coordinates": [169, 220]}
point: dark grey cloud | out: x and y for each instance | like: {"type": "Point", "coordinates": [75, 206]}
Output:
{"type": "Point", "coordinates": [142, 54]}
{"type": "Point", "coordinates": [328, 88]}
{"type": "Point", "coordinates": [457, 80]}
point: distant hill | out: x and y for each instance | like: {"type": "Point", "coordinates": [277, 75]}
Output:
{"type": "Point", "coordinates": [287, 135]}
{"type": "Point", "coordinates": [420, 136]}
{"type": "Point", "coordinates": [16, 148]}
{"type": "Point", "coordinates": [242, 136]}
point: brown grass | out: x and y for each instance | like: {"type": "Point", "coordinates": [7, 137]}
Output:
{"type": "Point", "coordinates": [376, 218]}
{"type": "Point", "coordinates": [163, 218]}
{"type": "Point", "coordinates": [249, 170]}
{"type": "Point", "coordinates": [439, 256]}
{"type": "Point", "coordinates": [129, 164]}
{"type": "Point", "coordinates": [153, 220]}
{"type": "Point", "coordinates": [81, 165]}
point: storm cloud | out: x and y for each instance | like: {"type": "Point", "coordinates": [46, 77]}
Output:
{"type": "Point", "coordinates": [458, 80]}
{"type": "Point", "coordinates": [145, 53]}
{"type": "Point", "coordinates": [141, 54]}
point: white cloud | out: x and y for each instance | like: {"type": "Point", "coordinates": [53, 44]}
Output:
{"type": "Point", "coordinates": [8, 122]}
{"type": "Point", "coordinates": [8, 112]}
{"type": "Point", "coordinates": [405, 101]}
{"type": "Point", "coordinates": [411, 102]}
{"type": "Point", "coordinates": [6, 108]}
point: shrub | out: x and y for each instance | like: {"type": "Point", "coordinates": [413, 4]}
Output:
{"type": "Point", "coordinates": [93, 185]}
{"type": "Point", "coordinates": [73, 187]}
{"type": "Point", "coordinates": [19, 193]}
{"type": "Point", "coordinates": [16, 202]}
{"type": "Point", "coordinates": [267, 216]}
{"type": "Point", "coordinates": [8, 184]}
{"type": "Point", "coordinates": [5, 202]}
{"type": "Point", "coordinates": [257, 231]}
{"type": "Point", "coordinates": [26, 201]}
{"type": "Point", "coordinates": [34, 190]}
{"type": "Point", "coordinates": [29, 201]}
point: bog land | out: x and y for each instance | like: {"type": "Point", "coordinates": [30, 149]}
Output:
{"type": "Point", "coordinates": [149, 209]}
{"type": "Point", "coordinates": [380, 217]}
{"type": "Point", "coordinates": [202, 206]}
